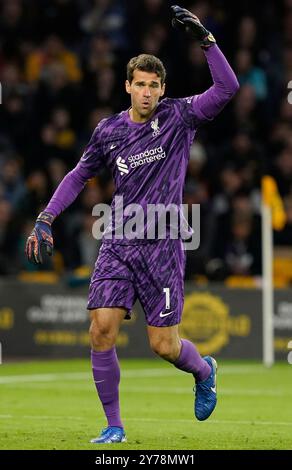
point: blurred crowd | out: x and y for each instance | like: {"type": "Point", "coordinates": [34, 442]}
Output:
{"type": "Point", "coordinates": [62, 69]}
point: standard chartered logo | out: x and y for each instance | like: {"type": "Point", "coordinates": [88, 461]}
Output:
{"type": "Point", "coordinates": [122, 166]}
{"type": "Point", "coordinates": [149, 156]}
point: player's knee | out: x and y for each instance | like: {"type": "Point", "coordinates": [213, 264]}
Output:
{"type": "Point", "coordinates": [102, 335]}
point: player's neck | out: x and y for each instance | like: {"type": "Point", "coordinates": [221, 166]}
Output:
{"type": "Point", "coordinates": [136, 117]}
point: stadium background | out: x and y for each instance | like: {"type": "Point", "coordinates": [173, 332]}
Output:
{"type": "Point", "coordinates": [62, 69]}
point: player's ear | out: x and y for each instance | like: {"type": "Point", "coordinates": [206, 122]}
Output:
{"type": "Point", "coordinates": [128, 87]}
{"type": "Point", "coordinates": [162, 90]}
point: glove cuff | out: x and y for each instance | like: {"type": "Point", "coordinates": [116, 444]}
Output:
{"type": "Point", "coordinates": [208, 41]}
{"type": "Point", "coordinates": [46, 218]}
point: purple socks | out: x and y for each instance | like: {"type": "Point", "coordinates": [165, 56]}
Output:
{"type": "Point", "coordinates": [106, 374]}
{"type": "Point", "coordinates": [190, 360]}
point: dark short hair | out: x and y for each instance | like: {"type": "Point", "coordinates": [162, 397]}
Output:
{"type": "Point", "coordinates": [146, 63]}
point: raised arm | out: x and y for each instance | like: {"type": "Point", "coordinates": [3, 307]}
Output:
{"type": "Point", "coordinates": [225, 84]}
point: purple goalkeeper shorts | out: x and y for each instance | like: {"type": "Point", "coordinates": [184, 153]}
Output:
{"type": "Point", "coordinates": [150, 272]}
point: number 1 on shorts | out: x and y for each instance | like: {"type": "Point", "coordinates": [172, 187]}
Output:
{"type": "Point", "coordinates": [167, 297]}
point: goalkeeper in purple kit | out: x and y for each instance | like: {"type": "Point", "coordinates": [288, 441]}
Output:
{"type": "Point", "coordinates": [146, 148]}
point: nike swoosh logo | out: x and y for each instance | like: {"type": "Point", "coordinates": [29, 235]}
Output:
{"type": "Point", "coordinates": [165, 314]}
{"type": "Point", "coordinates": [113, 146]}
{"type": "Point", "coordinates": [99, 381]}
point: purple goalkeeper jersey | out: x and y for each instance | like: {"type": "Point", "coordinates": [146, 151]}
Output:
{"type": "Point", "coordinates": [148, 161]}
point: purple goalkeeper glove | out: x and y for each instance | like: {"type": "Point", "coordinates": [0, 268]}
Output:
{"type": "Point", "coordinates": [40, 237]}
{"type": "Point", "coordinates": [190, 23]}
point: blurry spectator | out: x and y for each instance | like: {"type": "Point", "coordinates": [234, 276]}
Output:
{"type": "Point", "coordinates": [241, 253]}
{"type": "Point", "coordinates": [65, 136]}
{"type": "Point", "coordinates": [286, 69]}
{"type": "Point", "coordinates": [57, 170]}
{"type": "Point", "coordinates": [246, 112]}
{"type": "Point", "coordinates": [287, 23]}
{"type": "Point", "coordinates": [99, 55]}
{"type": "Point", "coordinates": [245, 154]}
{"type": "Point", "coordinates": [62, 18]}
{"type": "Point", "coordinates": [13, 28]}
{"type": "Point", "coordinates": [142, 16]}
{"type": "Point", "coordinates": [106, 16]}
{"type": "Point", "coordinates": [281, 136]}
{"type": "Point", "coordinates": [235, 248]}
{"type": "Point", "coordinates": [58, 139]}
{"type": "Point", "coordinates": [284, 237]}
{"type": "Point", "coordinates": [231, 182]}
{"type": "Point", "coordinates": [14, 81]}
{"type": "Point", "coordinates": [55, 90]}
{"type": "Point", "coordinates": [197, 76]}
{"type": "Point", "coordinates": [153, 42]}
{"type": "Point", "coordinates": [8, 239]}
{"type": "Point", "coordinates": [103, 91]}
{"type": "Point", "coordinates": [249, 74]}
{"type": "Point", "coordinates": [247, 34]}
{"type": "Point", "coordinates": [48, 147]}
{"type": "Point", "coordinates": [283, 171]}
{"type": "Point", "coordinates": [37, 193]}
{"type": "Point", "coordinates": [12, 182]}
{"type": "Point", "coordinates": [53, 52]}
{"type": "Point", "coordinates": [196, 189]}
{"type": "Point", "coordinates": [285, 114]}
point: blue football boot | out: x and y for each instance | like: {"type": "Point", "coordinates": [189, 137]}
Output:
{"type": "Point", "coordinates": [110, 435]}
{"type": "Point", "coordinates": [206, 393]}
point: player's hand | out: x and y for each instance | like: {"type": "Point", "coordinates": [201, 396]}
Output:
{"type": "Point", "coordinates": [190, 23]}
{"type": "Point", "coordinates": [40, 238]}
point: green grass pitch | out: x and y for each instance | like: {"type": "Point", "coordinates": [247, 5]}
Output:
{"type": "Point", "coordinates": [53, 405]}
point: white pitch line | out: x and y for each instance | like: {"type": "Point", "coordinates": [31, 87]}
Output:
{"type": "Point", "coordinates": [44, 377]}
{"type": "Point", "coordinates": [167, 390]}
{"type": "Point", "coordinates": [136, 373]}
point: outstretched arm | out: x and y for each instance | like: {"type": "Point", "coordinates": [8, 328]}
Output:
{"type": "Point", "coordinates": [88, 166]}
{"type": "Point", "coordinates": [67, 191]}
